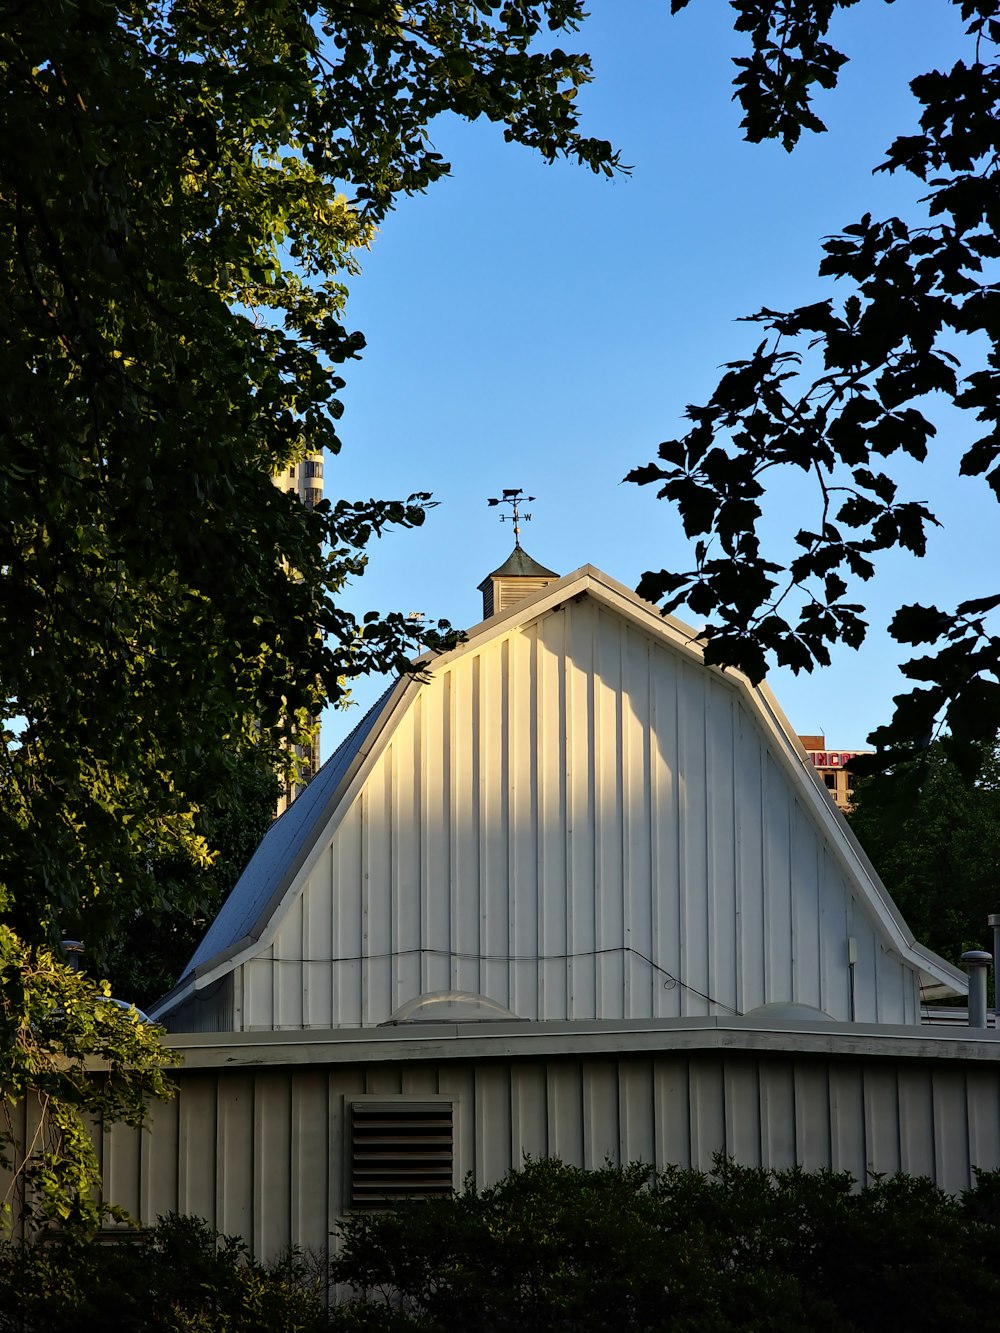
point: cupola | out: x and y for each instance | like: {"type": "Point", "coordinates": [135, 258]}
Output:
{"type": "Point", "coordinates": [519, 576]}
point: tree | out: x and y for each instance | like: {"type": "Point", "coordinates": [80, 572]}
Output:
{"type": "Point", "coordinates": [935, 841]}
{"type": "Point", "coordinates": [840, 390]}
{"type": "Point", "coordinates": [176, 236]}
{"type": "Point", "coordinates": [174, 254]}
{"type": "Point", "coordinates": [70, 1057]}
{"type": "Point", "coordinates": [147, 952]}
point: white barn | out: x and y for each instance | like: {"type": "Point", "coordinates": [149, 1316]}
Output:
{"type": "Point", "coordinates": [566, 891]}
{"type": "Point", "coordinates": [571, 815]}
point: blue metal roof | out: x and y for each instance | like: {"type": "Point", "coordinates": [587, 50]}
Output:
{"type": "Point", "coordinates": [249, 906]}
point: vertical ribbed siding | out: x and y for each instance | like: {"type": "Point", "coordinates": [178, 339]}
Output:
{"type": "Point", "coordinates": [267, 1153]}
{"type": "Point", "coordinates": [578, 821]}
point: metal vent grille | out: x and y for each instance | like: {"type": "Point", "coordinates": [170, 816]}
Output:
{"type": "Point", "coordinates": [400, 1151]}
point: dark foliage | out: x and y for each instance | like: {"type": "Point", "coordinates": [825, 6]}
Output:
{"type": "Point", "coordinates": [184, 189]}
{"type": "Point", "coordinates": [842, 391]}
{"type": "Point", "coordinates": [185, 186]}
{"type": "Point", "coordinates": [935, 841]}
{"type": "Point", "coordinates": [555, 1248]}
{"type": "Point", "coordinates": [147, 953]}
{"type": "Point", "coordinates": [179, 1276]}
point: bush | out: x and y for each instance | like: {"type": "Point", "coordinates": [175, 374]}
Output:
{"type": "Point", "coordinates": [553, 1247]}
{"type": "Point", "coordinates": [556, 1249]}
{"type": "Point", "coordinates": [180, 1276]}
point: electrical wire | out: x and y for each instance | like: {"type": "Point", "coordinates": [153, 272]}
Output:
{"type": "Point", "coordinates": [671, 980]}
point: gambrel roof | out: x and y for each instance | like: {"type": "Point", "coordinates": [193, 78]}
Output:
{"type": "Point", "coordinates": [276, 875]}
{"type": "Point", "coordinates": [282, 850]}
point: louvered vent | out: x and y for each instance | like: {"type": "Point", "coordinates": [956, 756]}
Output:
{"type": "Point", "coordinates": [400, 1150]}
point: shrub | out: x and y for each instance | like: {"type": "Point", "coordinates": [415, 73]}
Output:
{"type": "Point", "coordinates": [553, 1247]}
{"type": "Point", "coordinates": [179, 1276]}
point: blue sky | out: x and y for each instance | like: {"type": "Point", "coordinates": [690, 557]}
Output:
{"type": "Point", "coordinates": [541, 327]}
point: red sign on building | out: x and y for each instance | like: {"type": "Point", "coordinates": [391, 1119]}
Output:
{"type": "Point", "coordinates": [833, 758]}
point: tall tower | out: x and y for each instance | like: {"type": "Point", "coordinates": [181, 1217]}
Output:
{"type": "Point", "coordinates": [305, 479]}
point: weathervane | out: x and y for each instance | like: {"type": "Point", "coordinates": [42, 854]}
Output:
{"type": "Point", "coordinates": [514, 497]}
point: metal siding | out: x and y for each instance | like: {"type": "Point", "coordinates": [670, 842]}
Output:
{"type": "Point", "coordinates": [916, 1120]}
{"type": "Point", "coordinates": [882, 1119]}
{"type": "Point", "coordinates": [834, 928]}
{"type": "Point", "coordinates": [522, 827]}
{"type": "Point", "coordinates": [235, 1165]}
{"type": "Point", "coordinates": [578, 822]}
{"type": "Point", "coordinates": [565, 1110]}
{"type": "Point", "coordinates": [847, 1120]}
{"type": "Point", "coordinates": [376, 937]}
{"type": "Point", "coordinates": [260, 1152]}
{"type": "Point", "coordinates": [272, 1159]}
{"type": "Point", "coordinates": [343, 1083]}
{"type": "Point", "coordinates": [213, 1010]}
{"type": "Point", "coordinates": [257, 979]}
{"type": "Point", "coordinates": [777, 1113]}
{"type": "Point", "coordinates": [609, 885]}
{"type": "Point", "coordinates": [309, 1186]}
{"type": "Point", "coordinates": [349, 917]}
{"type": "Point", "coordinates": [288, 951]}
{"type": "Point", "coordinates": [667, 831]}
{"type": "Point", "coordinates": [601, 1129]}
{"type": "Point", "coordinates": [707, 1101]}
{"type": "Point", "coordinates": [672, 1112]}
{"type": "Point", "coordinates": [636, 1101]}
{"type": "Point", "coordinates": [806, 955]}
{"type": "Point", "coordinates": [983, 1106]}
{"type": "Point", "coordinates": [120, 1166]}
{"type": "Point", "coordinates": [779, 812]}
{"type": "Point", "coordinates": [420, 1079]}
{"type": "Point", "coordinates": [492, 1157]}
{"type": "Point", "coordinates": [383, 1080]}
{"type": "Point", "coordinates": [198, 1174]}
{"type": "Point", "coordinates": [160, 1167]}
{"type": "Point", "coordinates": [435, 822]}
{"type": "Point", "coordinates": [494, 875]}
{"type": "Point", "coordinates": [458, 1081]}
{"type": "Point", "coordinates": [743, 1134]}
{"type": "Point", "coordinates": [696, 925]}
{"type": "Point", "coordinates": [551, 745]}
{"type": "Point", "coordinates": [813, 1129]}
{"type": "Point", "coordinates": [891, 986]}
{"type": "Point", "coordinates": [953, 1152]}
{"type": "Point", "coordinates": [641, 981]}
{"type": "Point", "coordinates": [724, 909]}
{"type": "Point", "coordinates": [579, 829]}
{"type": "Point", "coordinates": [529, 1124]}
{"type": "Point", "coordinates": [866, 969]}
{"type": "Point", "coordinates": [751, 943]}
{"type": "Point", "coordinates": [464, 758]}
{"type": "Point", "coordinates": [318, 947]}
{"type": "Point", "coordinates": [408, 890]}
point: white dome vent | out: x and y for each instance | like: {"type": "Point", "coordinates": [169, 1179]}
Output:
{"type": "Point", "coordinates": [451, 1006]}
{"type": "Point", "coordinates": [791, 1009]}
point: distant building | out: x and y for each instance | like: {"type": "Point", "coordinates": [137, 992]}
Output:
{"type": "Point", "coordinates": [306, 480]}
{"type": "Point", "coordinates": [834, 768]}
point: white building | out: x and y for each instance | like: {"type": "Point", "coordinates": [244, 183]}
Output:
{"type": "Point", "coordinates": [567, 891]}
{"type": "Point", "coordinates": [573, 816]}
